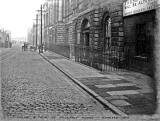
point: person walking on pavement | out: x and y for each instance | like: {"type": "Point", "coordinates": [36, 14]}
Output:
{"type": "Point", "coordinates": [45, 48]}
{"type": "Point", "coordinates": [23, 47]}
{"type": "Point", "coordinates": [39, 48]}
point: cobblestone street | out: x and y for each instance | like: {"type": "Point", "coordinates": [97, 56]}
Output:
{"type": "Point", "coordinates": [32, 88]}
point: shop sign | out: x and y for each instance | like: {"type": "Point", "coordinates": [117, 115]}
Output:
{"type": "Point", "coordinates": [131, 7]}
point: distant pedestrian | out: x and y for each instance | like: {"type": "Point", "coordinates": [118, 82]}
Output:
{"type": "Point", "coordinates": [45, 48]}
{"type": "Point", "coordinates": [35, 49]}
{"type": "Point", "coordinates": [22, 47]}
{"type": "Point", "coordinates": [39, 48]}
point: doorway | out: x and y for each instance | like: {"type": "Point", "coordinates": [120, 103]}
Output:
{"type": "Point", "coordinates": [144, 39]}
{"type": "Point", "coordinates": [85, 42]}
{"type": "Point", "coordinates": [86, 38]}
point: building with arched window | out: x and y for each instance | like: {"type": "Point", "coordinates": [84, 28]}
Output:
{"type": "Point", "coordinates": [105, 34]}
{"type": "Point", "coordinates": [99, 34]}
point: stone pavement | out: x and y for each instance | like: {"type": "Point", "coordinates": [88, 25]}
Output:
{"type": "Point", "coordinates": [124, 92]}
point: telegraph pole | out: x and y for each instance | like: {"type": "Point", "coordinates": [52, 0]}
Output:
{"type": "Point", "coordinates": [33, 34]}
{"type": "Point", "coordinates": [41, 31]}
{"type": "Point", "coordinates": [41, 41]}
{"type": "Point", "coordinates": [36, 30]}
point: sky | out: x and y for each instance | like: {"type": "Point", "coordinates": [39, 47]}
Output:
{"type": "Point", "coordinates": [17, 15]}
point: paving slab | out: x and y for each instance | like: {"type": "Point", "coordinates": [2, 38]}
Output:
{"type": "Point", "coordinates": [76, 69]}
{"type": "Point", "coordinates": [115, 85]}
{"type": "Point", "coordinates": [120, 103]}
{"type": "Point", "coordinates": [124, 92]}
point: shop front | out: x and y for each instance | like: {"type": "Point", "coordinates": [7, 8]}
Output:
{"type": "Point", "coordinates": [139, 27]}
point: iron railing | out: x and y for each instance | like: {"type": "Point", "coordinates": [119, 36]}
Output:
{"type": "Point", "coordinates": [111, 59]}
{"type": "Point", "coordinates": [107, 60]}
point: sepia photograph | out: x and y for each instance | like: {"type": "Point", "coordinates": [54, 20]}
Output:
{"type": "Point", "coordinates": [79, 60]}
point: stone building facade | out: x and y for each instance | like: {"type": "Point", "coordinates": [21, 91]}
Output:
{"type": "Point", "coordinates": [90, 23]}
{"type": "Point", "coordinates": [96, 32]}
{"type": "Point", "coordinates": [98, 28]}
{"type": "Point", "coordinates": [54, 27]}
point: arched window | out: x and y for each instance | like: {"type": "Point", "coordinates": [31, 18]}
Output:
{"type": "Point", "coordinates": [85, 40]}
{"type": "Point", "coordinates": [107, 32]}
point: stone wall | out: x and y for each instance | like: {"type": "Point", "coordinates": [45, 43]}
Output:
{"type": "Point", "coordinates": [70, 33]}
{"type": "Point", "coordinates": [93, 11]}
{"type": "Point", "coordinates": [60, 33]}
{"type": "Point", "coordinates": [95, 18]}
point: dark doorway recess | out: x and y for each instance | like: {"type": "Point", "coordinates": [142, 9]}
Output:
{"type": "Point", "coordinates": [139, 42]}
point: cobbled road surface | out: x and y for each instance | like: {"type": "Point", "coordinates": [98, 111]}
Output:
{"type": "Point", "coordinates": [31, 88]}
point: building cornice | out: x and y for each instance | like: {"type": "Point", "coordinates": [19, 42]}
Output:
{"type": "Point", "coordinates": [81, 13]}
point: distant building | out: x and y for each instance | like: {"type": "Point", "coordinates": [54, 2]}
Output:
{"type": "Point", "coordinates": [5, 39]}
{"type": "Point", "coordinates": [31, 37]}
{"type": "Point", "coordinates": [34, 33]}
{"type": "Point", "coordinates": [54, 26]}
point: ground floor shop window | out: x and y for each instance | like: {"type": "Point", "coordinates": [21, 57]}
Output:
{"type": "Point", "coordinates": [144, 39]}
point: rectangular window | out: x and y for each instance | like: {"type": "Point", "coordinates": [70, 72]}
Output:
{"type": "Point", "coordinates": [140, 41]}
{"type": "Point", "coordinates": [144, 39]}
